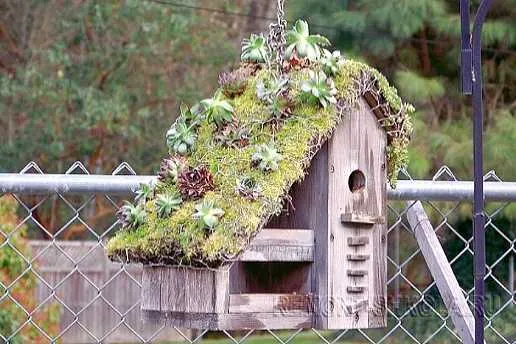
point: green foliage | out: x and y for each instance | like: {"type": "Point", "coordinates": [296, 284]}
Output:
{"type": "Point", "coordinates": [145, 192]}
{"type": "Point", "coordinates": [261, 186]}
{"type": "Point", "coordinates": [15, 254]}
{"type": "Point", "coordinates": [132, 216]}
{"type": "Point", "coordinates": [94, 80]}
{"type": "Point", "coordinates": [417, 88]}
{"type": "Point", "coordinates": [331, 61]}
{"type": "Point", "coordinates": [207, 215]}
{"type": "Point", "coordinates": [254, 49]}
{"type": "Point", "coordinates": [167, 203]}
{"type": "Point", "coordinates": [248, 188]}
{"type": "Point", "coordinates": [266, 157]}
{"type": "Point", "coordinates": [302, 43]}
{"type": "Point", "coordinates": [269, 89]}
{"type": "Point", "coordinates": [217, 110]}
{"type": "Point", "coordinates": [181, 137]}
{"type": "Point", "coordinates": [319, 88]}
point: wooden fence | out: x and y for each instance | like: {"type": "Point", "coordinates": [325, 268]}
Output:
{"type": "Point", "coordinates": [106, 298]}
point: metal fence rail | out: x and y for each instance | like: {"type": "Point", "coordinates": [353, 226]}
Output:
{"type": "Point", "coordinates": [69, 217]}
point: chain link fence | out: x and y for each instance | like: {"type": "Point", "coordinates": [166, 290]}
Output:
{"type": "Point", "coordinates": [56, 285]}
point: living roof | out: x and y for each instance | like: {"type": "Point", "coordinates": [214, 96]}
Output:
{"type": "Point", "coordinates": [180, 239]}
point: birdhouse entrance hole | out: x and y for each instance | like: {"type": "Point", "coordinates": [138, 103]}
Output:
{"type": "Point", "coordinates": [356, 181]}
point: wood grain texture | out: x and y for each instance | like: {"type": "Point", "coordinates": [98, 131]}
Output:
{"type": "Point", "coordinates": [359, 143]}
{"type": "Point", "coordinates": [270, 303]}
{"type": "Point", "coordinates": [235, 321]}
{"type": "Point", "coordinates": [442, 272]}
{"type": "Point", "coordinates": [280, 245]}
{"type": "Point", "coordinates": [180, 289]}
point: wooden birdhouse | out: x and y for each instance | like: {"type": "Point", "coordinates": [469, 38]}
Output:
{"type": "Point", "coordinates": [323, 264]}
{"type": "Point", "coordinates": [271, 210]}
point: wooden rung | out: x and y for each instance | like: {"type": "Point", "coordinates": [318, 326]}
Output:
{"type": "Point", "coordinates": [361, 219]}
{"type": "Point", "coordinates": [357, 257]}
{"type": "Point", "coordinates": [280, 245]}
{"type": "Point", "coordinates": [358, 241]}
{"type": "Point", "coordinates": [355, 289]}
{"type": "Point", "coordinates": [357, 273]}
{"type": "Point", "coordinates": [270, 303]}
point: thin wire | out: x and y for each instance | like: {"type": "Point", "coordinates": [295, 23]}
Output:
{"type": "Point", "coordinates": [329, 27]}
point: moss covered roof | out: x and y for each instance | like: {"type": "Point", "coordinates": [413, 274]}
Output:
{"type": "Point", "coordinates": [181, 238]}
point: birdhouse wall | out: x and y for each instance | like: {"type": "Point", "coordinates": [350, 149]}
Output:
{"type": "Point", "coordinates": [343, 199]}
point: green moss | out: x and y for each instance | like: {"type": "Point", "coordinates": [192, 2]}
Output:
{"type": "Point", "coordinates": [179, 240]}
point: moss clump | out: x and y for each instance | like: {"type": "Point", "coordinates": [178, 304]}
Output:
{"type": "Point", "coordinates": [273, 155]}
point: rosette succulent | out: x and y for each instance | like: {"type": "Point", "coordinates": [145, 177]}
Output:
{"type": "Point", "coordinates": [131, 216]}
{"type": "Point", "coordinates": [166, 204]}
{"type": "Point", "coordinates": [145, 192]}
{"type": "Point", "coordinates": [217, 110]}
{"type": "Point", "coordinates": [193, 183]}
{"type": "Point", "coordinates": [319, 87]}
{"type": "Point", "coordinates": [331, 62]}
{"type": "Point", "coordinates": [233, 83]}
{"type": "Point", "coordinates": [207, 215]}
{"type": "Point", "coordinates": [248, 188]}
{"type": "Point", "coordinates": [254, 49]}
{"type": "Point", "coordinates": [181, 137]}
{"type": "Point", "coordinates": [302, 43]}
{"type": "Point", "coordinates": [267, 90]}
{"type": "Point", "coordinates": [266, 158]}
{"type": "Point", "coordinates": [170, 169]}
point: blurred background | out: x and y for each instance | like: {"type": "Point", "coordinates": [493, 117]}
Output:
{"type": "Point", "coordinates": [100, 81]}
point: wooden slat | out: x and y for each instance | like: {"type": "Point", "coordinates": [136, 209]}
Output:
{"type": "Point", "coordinates": [356, 273]}
{"type": "Point", "coordinates": [357, 257]}
{"type": "Point", "coordinates": [280, 245]}
{"type": "Point", "coordinates": [361, 219]}
{"type": "Point", "coordinates": [356, 289]}
{"type": "Point", "coordinates": [270, 303]}
{"type": "Point", "coordinates": [442, 272]}
{"type": "Point", "coordinates": [358, 241]}
{"type": "Point", "coordinates": [235, 321]}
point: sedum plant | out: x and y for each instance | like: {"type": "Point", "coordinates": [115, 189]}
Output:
{"type": "Point", "coordinates": [331, 62]}
{"type": "Point", "coordinates": [267, 90]}
{"type": "Point", "coordinates": [131, 216]}
{"type": "Point", "coordinates": [181, 137]}
{"type": "Point", "coordinates": [254, 49]}
{"type": "Point", "coordinates": [300, 42]}
{"type": "Point", "coordinates": [166, 204]}
{"type": "Point", "coordinates": [207, 215]}
{"type": "Point", "coordinates": [145, 192]}
{"type": "Point", "coordinates": [266, 158]}
{"type": "Point", "coordinates": [217, 110]}
{"type": "Point", "coordinates": [170, 168]}
{"type": "Point", "coordinates": [248, 188]}
{"type": "Point", "coordinates": [319, 87]}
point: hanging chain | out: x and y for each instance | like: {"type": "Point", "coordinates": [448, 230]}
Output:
{"type": "Point", "coordinates": [276, 39]}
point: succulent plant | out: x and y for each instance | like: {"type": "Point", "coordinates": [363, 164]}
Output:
{"type": "Point", "coordinates": [145, 192]}
{"type": "Point", "coordinates": [170, 169]}
{"type": "Point", "coordinates": [193, 183]}
{"type": "Point", "coordinates": [233, 83]}
{"type": "Point", "coordinates": [181, 137]}
{"type": "Point", "coordinates": [190, 115]}
{"type": "Point", "coordinates": [248, 188]}
{"type": "Point", "coordinates": [166, 204]}
{"type": "Point", "coordinates": [331, 62]}
{"type": "Point", "coordinates": [217, 110]}
{"type": "Point", "coordinates": [207, 214]}
{"type": "Point", "coordinates": [254, 49]}
{"type": "Point", "coordinates": [296, 63]}
{"type": "Point", "coordinates": [302, 43]}
{"type": "Point", "coordinates": [232, 135]}
{"type": "Point", "coordinates": [267, 90]}
{"type": "Point", "coordinates": [319, 87]}
{"type": "Point", "coordinates": [131, 216]}
{"type": "Point", "coordinates": [266, 158]}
